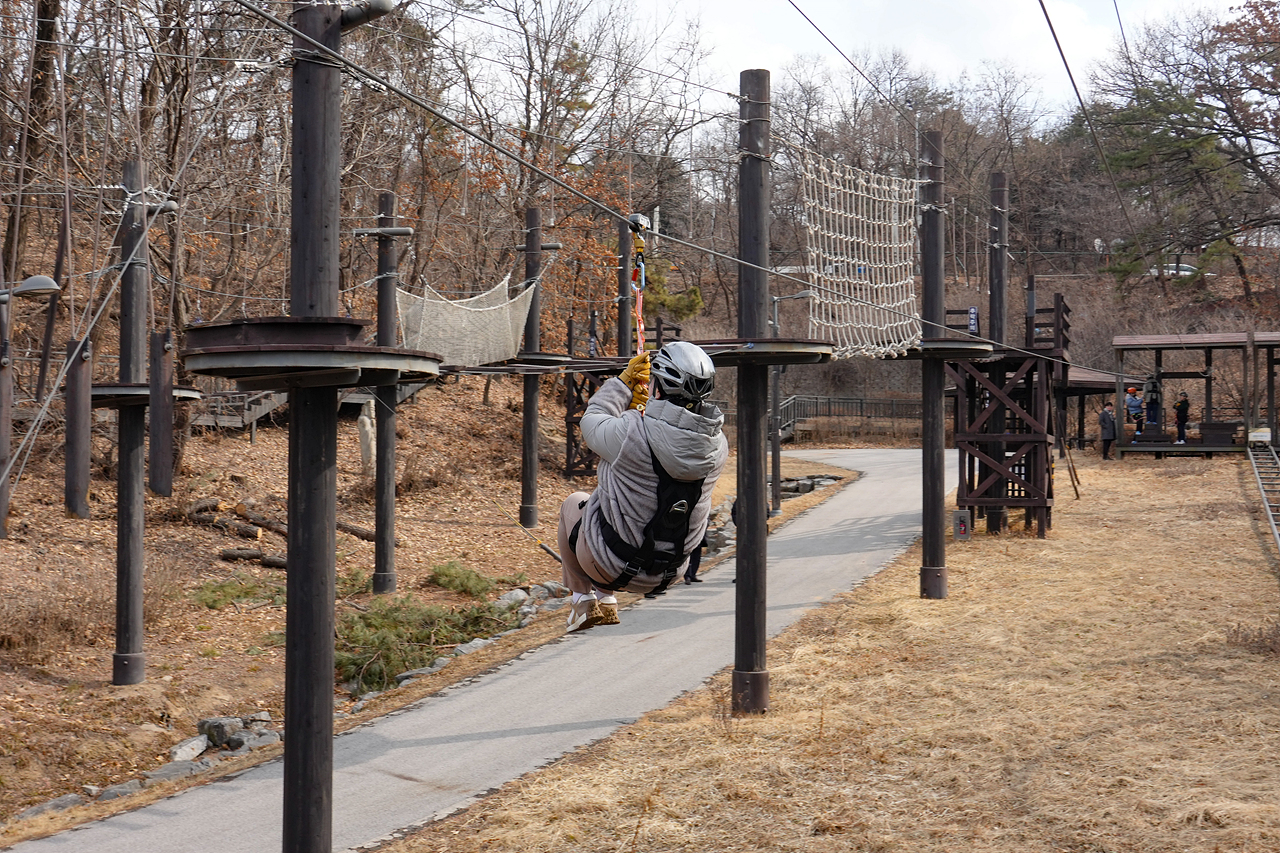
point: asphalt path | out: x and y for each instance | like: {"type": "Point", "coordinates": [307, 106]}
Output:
{"type": "Point", "coordinates": [442, 753]}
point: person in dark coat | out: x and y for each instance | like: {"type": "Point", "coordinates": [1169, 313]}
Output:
{"type": "Point", "coordinates": [1181, 413]}
{"type": "Point", "coordinates": [1107, 428]}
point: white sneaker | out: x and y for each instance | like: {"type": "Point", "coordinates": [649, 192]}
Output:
{"type": "Point", "coordinates": [583, 614]}
{"type": "Point", "coordinates": [608, 608]}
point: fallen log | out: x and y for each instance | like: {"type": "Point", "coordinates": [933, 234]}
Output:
{"type": "Point", "coordinates": [274, 561]}
{"type": "Point", "coordinates": [359, 532]}
{"type": "Point", "coordinates": [245, 511]}
{"type": "Point", "coordinates": [278, 527]}
{"type": "Point", "coordinates": [233, 554]}
{"type": "Point", "coordinates": [205, 505]}
{"type": "Point", "coordinates": [227, 525]}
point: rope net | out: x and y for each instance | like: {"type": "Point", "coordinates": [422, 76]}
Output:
{"type": "Point", "coordinates": [483, 329]}
{"type": "Point", "coordinates": [862, 251]}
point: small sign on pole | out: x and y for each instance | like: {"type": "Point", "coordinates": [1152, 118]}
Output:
{"type": "Point", "coordinates": [960, 525]}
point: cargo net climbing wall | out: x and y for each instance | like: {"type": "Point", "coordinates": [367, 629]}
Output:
{"type": "Point", "coordinates": [484, 329]}
{"type": "Point", "coordinates": [862, 258]}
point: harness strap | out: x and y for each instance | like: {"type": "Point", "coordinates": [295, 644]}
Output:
{"type": "Point", "coordinates": [676, 500]}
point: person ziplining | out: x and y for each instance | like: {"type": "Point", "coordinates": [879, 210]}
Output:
{"type": "Point", "coordinates": [660, 460]}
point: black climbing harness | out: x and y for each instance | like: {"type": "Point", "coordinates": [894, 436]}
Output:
{"type": "Point", "coordinates": [663, 548]}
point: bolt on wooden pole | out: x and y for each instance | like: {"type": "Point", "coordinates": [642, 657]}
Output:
{"type": "Point", "coordinates": [933, 571]}
{"type": "Point", "coordinates": [750, 680]}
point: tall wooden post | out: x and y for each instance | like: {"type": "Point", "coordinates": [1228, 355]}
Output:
{"type": "Point", "coordinates": [933, 571]}
{"type": "Point", "coordinates": [129, 664]}
{"type": "Point", "coordinates": [999, 257]}
{"type": "Point", "coordinates": [384, 510]}
{"type": "Point", "coordinates": [6, 418]}
{"type": "Point", "coordinates": [79, 411]}
{"type": "Point", "coordinates": [625, 300]}
{"type": "Point", "coordinates": [997, 267]}
{"type": "Point", "coordinates": [313, 443]}
{"type": "Point", "coordinates": [160, 424]}
{"type": "Point", "coordinates": [532, 344]}
{"type": "Point", "coordinates": [750, 677]}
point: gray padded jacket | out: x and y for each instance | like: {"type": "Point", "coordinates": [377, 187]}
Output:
{"type": "Point", "coordinates": [689, 446]}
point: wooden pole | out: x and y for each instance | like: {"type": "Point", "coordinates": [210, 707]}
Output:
{"type": "Point", "coordinates": [79, 409]}
{"type": "Point", "coordinates": [625, 348]}
{"type": "Point", "coordinates": [384, 510]}
{"type": "Point", "coordinates": [998, 267]}
{"type": "Point", "coordinates": [51, 312]}
{"type": "Point", "coordinates": [160, 424]}
{"type": "Point", "coordinates": [750, 681]}
{"type": "Point", "coordinates": [313, 440]}
{"type": "Point", "coordinates": [532, 344]}
{"type": "Point", "coordinates": [6, 418]}
{"type": "Point", "coordinates": [128, 663]}
{"type": "Point", "coordinates": [933, 570]}
{"type": "Point", "coordinates": [999, 256]}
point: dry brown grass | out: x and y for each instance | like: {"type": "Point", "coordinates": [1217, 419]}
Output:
{"type": "Point", "coordinates": [1077, 693]}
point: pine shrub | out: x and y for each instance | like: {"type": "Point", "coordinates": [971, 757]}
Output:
{"type": "Point", "coordinates": [396, 635]}
{"type": "Point", "coordinates": [458, 578]}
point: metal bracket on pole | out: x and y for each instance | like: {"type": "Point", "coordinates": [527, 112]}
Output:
{"type": "Point", "coordinates": [365, 11]}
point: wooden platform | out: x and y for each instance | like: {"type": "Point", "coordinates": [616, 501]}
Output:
{"type": "Point", "coordinates": [1179, 449]}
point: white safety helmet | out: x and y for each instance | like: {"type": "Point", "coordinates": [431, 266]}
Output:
{"type": "Point", "coordinates": [684, 373]}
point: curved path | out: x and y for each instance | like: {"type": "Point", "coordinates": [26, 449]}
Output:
{"type": "Point", "coordinates": [440, 754]}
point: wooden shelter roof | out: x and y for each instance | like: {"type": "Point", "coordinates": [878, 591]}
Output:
{"type": "Point", "coordinates": [1085, 380]}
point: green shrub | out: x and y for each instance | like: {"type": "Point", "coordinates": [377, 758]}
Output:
{"type": "Point", "coordinates": [216, 595]}
{"type": "Point", "coordinates": [353, 583]}
{"type": "Point", "coordinates": [457, 577]}
{"type": "Point", "coordinates": [396, 635]}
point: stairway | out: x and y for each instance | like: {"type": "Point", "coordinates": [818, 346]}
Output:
{"type": "Point", "coordinates": [1266, 469]}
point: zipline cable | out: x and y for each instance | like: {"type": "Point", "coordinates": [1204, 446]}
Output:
{"type": "Point", "coordinates": [330, 54]}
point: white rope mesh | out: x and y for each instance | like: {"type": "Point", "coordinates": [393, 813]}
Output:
{"type": "Point", "coordinates": [484, 329]}
{"type": "Point", "coordinates": [862, 251]}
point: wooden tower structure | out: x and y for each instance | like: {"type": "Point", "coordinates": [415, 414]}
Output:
{"type": "Point", "coordinates": [1005, 416]}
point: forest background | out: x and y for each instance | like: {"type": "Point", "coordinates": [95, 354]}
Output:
{"type": "Point", "coordinates": [1172, 163]}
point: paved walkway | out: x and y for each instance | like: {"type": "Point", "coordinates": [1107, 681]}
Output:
{"type": "Point", "coordinates": [440, 754]}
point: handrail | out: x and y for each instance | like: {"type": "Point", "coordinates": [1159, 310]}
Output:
{"type": "Point", "coordinates": [1262, 490]}
{"type": "Point", "coordinates": [803, 406]}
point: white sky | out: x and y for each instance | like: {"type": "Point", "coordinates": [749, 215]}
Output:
{"type": "Point", "coordinates": [944, 36]}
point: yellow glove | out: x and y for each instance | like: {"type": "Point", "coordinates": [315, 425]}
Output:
{"type": "Point", "coordinates": [636, 377]}
{"type": "Point", "coordinates": [639, 397]}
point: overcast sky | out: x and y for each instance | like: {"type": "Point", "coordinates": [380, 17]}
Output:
{"type": "Point", "coordinates": [945, 36]}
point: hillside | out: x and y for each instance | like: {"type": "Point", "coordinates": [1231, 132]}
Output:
{"type": "Point", "coordinates": [213, 633]}
{"type": "Point", "coordinates": [61, 722]}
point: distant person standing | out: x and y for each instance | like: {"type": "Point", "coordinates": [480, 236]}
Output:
{"type": "Point", "coordinates": [1107, 428]}
{"type": "Point", "coordinates": [695, 561]}
{"type": "Point", "coordinates": [1181, 414]}
{"type": "Point", "coordinates": [1152, 398]}
{"type": "Point", "coordinates": [1133, 407]}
